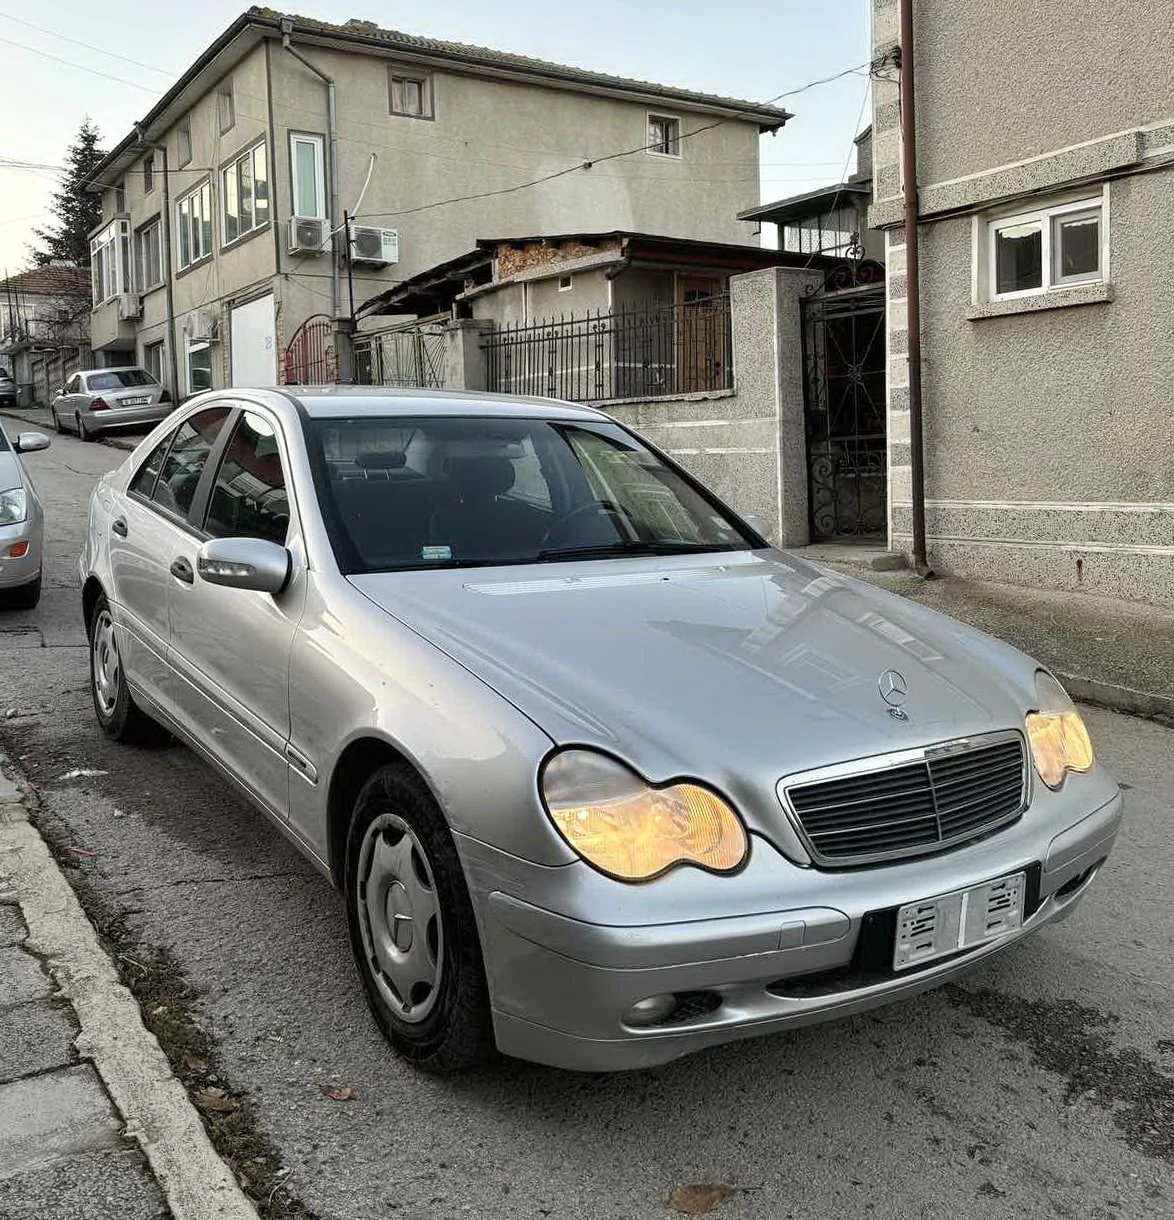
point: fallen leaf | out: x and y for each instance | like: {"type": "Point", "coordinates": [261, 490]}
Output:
{"type": "Point", "coordinates": [215, 1100]}
{"type": "Point", "coordinates": [699, 1200]}
{"type": "Point", "coordinates": [338, 1092]}
{"type": "Point", "coordinates": [197, 1063]}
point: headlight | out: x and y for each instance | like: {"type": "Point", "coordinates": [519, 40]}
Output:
{"type": "Point", "coordinates": [13, 506]}
{"type": "Point", "coordinates": [633, 831]}
{"type": "Point", "coordinates": [1059, 740]}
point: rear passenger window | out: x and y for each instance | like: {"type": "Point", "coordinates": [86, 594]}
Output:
{"type": "Point", "coordinates": [144, 482]}
{"type": "Point", "coordinates": [176, 486]}
{"type": "Point", "coordinates": [249, 498]}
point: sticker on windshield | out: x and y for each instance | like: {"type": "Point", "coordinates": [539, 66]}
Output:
{"type": "Point", "coordinates": [436, 552]}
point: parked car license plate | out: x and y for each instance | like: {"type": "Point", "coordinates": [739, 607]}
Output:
{"type": "Point", "coordinates": [137, 402]}
{"type": "Point", "coordinates": [937, 927]}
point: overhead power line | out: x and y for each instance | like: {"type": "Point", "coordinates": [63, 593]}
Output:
{"type": "Point", "coordinates": [89, 46]}
{"type": "Point", "coordinates": [69, 63]}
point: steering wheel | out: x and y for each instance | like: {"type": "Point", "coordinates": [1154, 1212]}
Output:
{"type": "Point", "coordinates": [601, 507]}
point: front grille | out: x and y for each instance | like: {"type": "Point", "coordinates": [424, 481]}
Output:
{"type": "Point", "coordinates": [950, 794]}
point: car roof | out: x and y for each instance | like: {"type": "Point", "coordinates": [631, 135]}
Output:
{"type": "Point", "coordinates": [114, 368]}
{"type": "Point", "coordinates": [334, 402]}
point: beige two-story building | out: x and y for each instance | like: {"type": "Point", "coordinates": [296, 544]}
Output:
{"type": "Point", "coordinates": [1045, 148]}
{"type": "Point", "coordinates": [223, 211]}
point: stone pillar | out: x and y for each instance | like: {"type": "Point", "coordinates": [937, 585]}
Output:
{"type": "Point", "coordinates": [768, 377]}
{"type": "Point", "coordinates": [465, 365]}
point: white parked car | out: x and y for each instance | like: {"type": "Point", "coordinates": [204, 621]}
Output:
{"type": "Point", "coordinates": [21, 522]}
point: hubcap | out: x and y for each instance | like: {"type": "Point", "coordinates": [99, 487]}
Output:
{"type": "Point", "coordinates": [107, 666]}
{"type": "Point", "coordinates": [399, 915]}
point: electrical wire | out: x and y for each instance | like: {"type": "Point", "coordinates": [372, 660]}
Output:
{"type": "Point", "coordinates": [89, 46]}
{"type": "Point", "coordinates": [69, 63]}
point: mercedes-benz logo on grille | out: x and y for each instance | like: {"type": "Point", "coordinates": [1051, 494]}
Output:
{"type": "Point", "coordinates": [894, 690]}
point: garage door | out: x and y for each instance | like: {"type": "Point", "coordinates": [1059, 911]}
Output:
{"type": "Point", "coordinates": [254, 343]}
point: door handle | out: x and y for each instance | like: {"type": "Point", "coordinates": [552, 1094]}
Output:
{"type": "Point", "coordinates": [118, 526]}
{"type": "Point", "coordinates": [181, 569]}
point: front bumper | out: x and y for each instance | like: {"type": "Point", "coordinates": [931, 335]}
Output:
{"type": "Point", "coordinates": [561, 985]}
{"type": "Point", "coordinates": [17, 572]}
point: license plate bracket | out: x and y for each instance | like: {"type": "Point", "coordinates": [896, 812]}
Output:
{"type": "Point", "coordinates": [937, 927]}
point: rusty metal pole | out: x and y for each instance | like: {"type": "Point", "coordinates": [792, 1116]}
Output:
{"type": "Point", "coordinates": [913, 290]}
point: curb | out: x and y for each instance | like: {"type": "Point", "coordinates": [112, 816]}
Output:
{"type": "Point", "coordinates": [43, 421]}
{"type": "Point", "coordinates": [1119, 698]}
{"type": "Point", "coordinates": [154, 1105]}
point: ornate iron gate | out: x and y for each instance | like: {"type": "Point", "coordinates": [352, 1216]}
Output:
{"type": "Point", "coordinates": [844, 407]}
{"type": "Point", "coordinates": [310, 358]}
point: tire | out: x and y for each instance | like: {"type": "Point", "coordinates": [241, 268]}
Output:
{"type": "Point", "coordinates": [81, 429]}
{"type": "Point", "coordinates": [397, 835]}
{"type": "Point", "coordinates": [118, 715]}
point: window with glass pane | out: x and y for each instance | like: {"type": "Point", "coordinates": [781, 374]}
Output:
{"type": "Point", "coordinates": [1076, 247]}
{"type": "Point", "coordinates": [249, 499]}
{"type": "Point", "coordinates": [183, 141]}
{"type": "Point", "coordinates": [306, 160]}
{"type": "Point", "coordinates": [180, 474]}
{"type": "Point", "coordinates": [199, 365]}
{"type": "Point", "coordinates": [144, 481]}
{"type": "Point", "coordinates": [148, 173]}
{"type": "Point", "coordinates": [226, 108]}
{"type": "Point", "coordinates": [245, 189]}
{"type": "Point", "coordinates": [153, 359]}
{"type": "Point", "coordinates": [411, 94]}
{"type": "Point", "coordinates": [148, 257]}
{"type": "Point", "coordinates": [664, 135]}
{"type": "Point", "coordinates": [194, 223]}
{"type": "Point", "coordinates": [1019, 258]}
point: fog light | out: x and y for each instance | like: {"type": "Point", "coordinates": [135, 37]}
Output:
{"type": "Point", "coordinates": [651, 1011]}
{"type": "Point", "coordinates": [18, 550]}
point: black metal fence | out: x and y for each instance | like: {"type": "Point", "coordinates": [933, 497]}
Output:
{"type": "Point", "coordinates": [656, 353]}
{"type": "Point", "coordinates": [406, 356]}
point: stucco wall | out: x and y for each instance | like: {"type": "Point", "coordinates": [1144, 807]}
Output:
{"type": "Point", "coordinates": [492, 134]}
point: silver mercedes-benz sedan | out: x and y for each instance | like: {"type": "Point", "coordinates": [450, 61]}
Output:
{"type": "Point", "coordinates": [605, 778]}
{"type": "Point", "coordinates": [103, 400]}
{"type": "Point", "coordinates": [22, 523]}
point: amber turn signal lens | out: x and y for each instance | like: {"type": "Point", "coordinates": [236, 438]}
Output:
{"type": "Point", "coordinates": [18, 550]}
{"type": "Point", "coordinates": [633, 831]}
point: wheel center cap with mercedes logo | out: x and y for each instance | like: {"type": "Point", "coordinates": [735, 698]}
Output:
{"type": "Point", "coordinates": [894, 690]}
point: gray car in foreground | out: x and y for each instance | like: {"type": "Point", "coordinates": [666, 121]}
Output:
{"type": "Point", "coordinates": [605, 779]}
{"type": "Point", "coordinates": [21, 523]}
{"type": "Point", "coordinates": [105, 400]}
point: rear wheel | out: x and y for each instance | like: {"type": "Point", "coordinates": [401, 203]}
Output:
{"type": "Point", "coordinates": [118, 714]}
{"type": "Point", "coordinates": [81, 428]}
{"type": "Point", "coordinates": [412, 927]}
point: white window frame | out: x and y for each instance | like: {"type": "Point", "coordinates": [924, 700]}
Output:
{"type": "Point", "coordinates": [110, 262]}
{"type": "Point", "coordinates": [233, 168]}
{"type": "Point", "coordinates": [180, 204]}
{"type": "Point", "coordinates": [1046, 217]}
{"type": "Point", "coordinates": [319, 146]}
{"type": "Point", "coordinates": [148, 173]}
{"type": "Point", "coordinates": [566, 283]}
{"type": "Point", "coordinates": [161, 344]}
{"type": "Point", "coordinates": [423, 78]}
{"type": "Point", "coordinates": [225, 107]}
{"type": "Point", "coordinates": [194, 345]}
{"type": "Point", "coordinates": [657, 117]}
{"type": "Point", "coordinates": [142, 283]}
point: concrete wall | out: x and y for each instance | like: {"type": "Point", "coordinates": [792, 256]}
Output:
{"type": "Point", "coordinates": [1049, 449]}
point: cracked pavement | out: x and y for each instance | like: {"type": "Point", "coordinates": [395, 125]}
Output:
{"type": "Point", "coordinates": [1041, 1085]}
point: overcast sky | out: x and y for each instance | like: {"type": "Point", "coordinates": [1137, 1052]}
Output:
{"type": "Point", "coordinates": [753, 49]}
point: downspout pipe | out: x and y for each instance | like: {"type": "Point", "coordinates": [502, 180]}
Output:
{"type": "Point", "coordinates": [343, 343]}
{"type": "Point", "coordinates": [913, 292]}
{"type": "Point", "coordinates": [168, 279]}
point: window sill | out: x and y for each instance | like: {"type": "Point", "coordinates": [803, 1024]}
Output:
{"type": "Point", "coordinates": [1056, 298]}
{"type": "Point", "coordinates": [244, 237]}
{"type": "Point", "coordinates": [203, 261]}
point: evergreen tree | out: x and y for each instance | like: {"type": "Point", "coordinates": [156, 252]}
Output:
{"type": "Point", "coordinates": [77, 211]}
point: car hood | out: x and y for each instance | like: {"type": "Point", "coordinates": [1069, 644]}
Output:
{"type": "Point", "coordinates": [737, 668]}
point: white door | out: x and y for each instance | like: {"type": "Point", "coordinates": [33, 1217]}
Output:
{"type": "Point", "coordinates": [254, 343]}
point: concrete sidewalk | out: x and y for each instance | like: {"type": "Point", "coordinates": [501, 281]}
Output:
{"type": "Point", "coordinates": [93, 1124]}
{"type": "Point", "coordinates": [40, 419]}
{"type": "Point", "coordinates": [1115, 654]}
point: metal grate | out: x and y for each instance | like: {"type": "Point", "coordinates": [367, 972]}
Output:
{"type": "Point", "coordinates": [947, 796]}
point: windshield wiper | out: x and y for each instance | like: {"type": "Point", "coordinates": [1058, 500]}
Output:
{"type": "Point", "coordinates": [630, 547]}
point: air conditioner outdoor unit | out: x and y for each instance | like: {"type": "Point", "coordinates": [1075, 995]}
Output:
{"type": "Point", "coordinates": [129, 307]}
{"type": "Point", "coordinates": [308, 235]}
{"type": "Point", "coordinates": [380, 246]}
{"type": "Point", "coordinates": [207, 326]}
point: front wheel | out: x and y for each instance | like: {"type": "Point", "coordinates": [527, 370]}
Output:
{"type": "Point", "coordinates": [56, 421]}
{"type": "Point", "coordinates": [118, 714]}
{"type": "Point", "coordinates": [412, 928]}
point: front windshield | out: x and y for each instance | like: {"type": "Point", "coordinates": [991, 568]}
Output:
{"type": "Point", "coordinates": [443, 492]}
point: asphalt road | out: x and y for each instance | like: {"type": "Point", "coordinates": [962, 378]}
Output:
{"type": "Point", "coordinates": [1042, 1086]}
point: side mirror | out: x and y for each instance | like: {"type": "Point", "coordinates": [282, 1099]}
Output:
{"type": "Point", "coordinates": [245, 563]}
{"type": "Point", "coordinates": [31, 442]}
